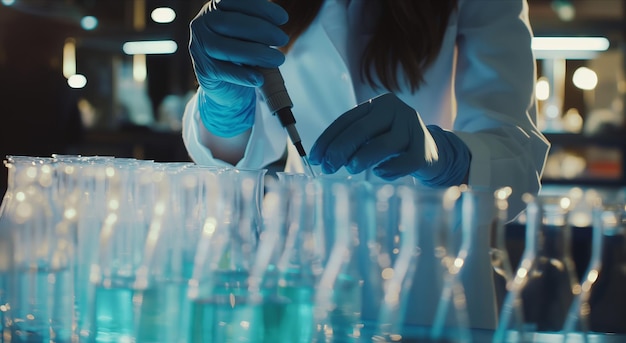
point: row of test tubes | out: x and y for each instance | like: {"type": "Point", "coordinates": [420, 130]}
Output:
{"type": "Point", "coordinates": [105, 249]}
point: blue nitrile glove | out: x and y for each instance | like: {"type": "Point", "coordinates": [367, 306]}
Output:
{"type": "Point", "coordinates": [226, 43]}
{"type": "Point", "coordinates": [387, 134]}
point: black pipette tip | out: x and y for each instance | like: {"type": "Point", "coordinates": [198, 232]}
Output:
{"type": "Point", "coordinates": [300, 149]}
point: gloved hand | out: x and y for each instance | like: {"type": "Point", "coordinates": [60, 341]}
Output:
{"type": "Point", "coordinates": [387, 134]}
{"type": "Point", "coordinates": [226, 43]}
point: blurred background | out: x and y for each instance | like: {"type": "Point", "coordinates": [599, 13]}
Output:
{"type": "Point", "coordinates": [111, 77]}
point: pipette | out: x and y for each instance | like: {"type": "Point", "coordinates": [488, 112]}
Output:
{"type": "Point", "coordinates": [279, 102]}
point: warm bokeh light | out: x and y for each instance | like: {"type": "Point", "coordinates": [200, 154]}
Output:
{"type": "Point", "coordinates": [69, 57]}
{"type": "Point", "coordinates": [585, 78]}
{"type": "Point", "coordinates": [163, 15]}
{"type": "Point", "coordinates": [77, 81]}
{"type": "Point", "coordinates": [140, 70]}
{"type": "Point", "coordinates": [387, 273]}
{"type": "Point", "coordinates": [542, 89]}
{"type": "Point", "coordinates": [573, 121]}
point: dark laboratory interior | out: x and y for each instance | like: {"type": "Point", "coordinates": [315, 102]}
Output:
{"type": "Point", "coordinates": [71, 84]}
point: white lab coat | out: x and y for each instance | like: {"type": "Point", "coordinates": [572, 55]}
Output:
{"type": "Point", "coordinates": [480, 87]}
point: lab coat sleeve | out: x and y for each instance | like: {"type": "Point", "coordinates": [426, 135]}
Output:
{"type": "Point", "coordinates": [267, 141]}
{"type": "Point", "coordinates": [496, 109]}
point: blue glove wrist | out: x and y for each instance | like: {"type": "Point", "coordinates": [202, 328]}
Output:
{"type": "Point", "coordinates": [226, 121]}
{"type": "Point", "coordinates": [454, 161]}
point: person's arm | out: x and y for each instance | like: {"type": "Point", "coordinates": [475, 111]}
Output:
{"type": "Point", "coordinates": [227, 45]}
{"type": "Point", "coordinates": [496, 109]}
{"type": "Point", "coordinates": [266, 142]}
{"type": "Point", "coordinates": [227, 149]}
{"type": "Point", "coordinates": [206, 148]}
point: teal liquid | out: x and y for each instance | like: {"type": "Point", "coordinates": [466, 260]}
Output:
{"type": "Point", "coordinates": [86, 254]}
{"type": "Point", "coordinates": [297, 287]}
{"type": "Point", "coordinates": [343, 323]}
{"type": "Point", "coordinates": [163, 313]}
{"type": "Point", "coordinates": [280, 312]}
{"type": "Point", "coordinates": [160, 313]}
{"type": "Point", "coordinates": [229, 313]}
{"type": "Point", "coordinates": [226, 318]}
{"type": "Point", "coordinates": [3, 302]}
{"type": "Point", "coordinates": [114, 315]}
{"type": "Point", "coordinates": [298, 324]}
{"type": "Point", "coordinates": [42, 305]}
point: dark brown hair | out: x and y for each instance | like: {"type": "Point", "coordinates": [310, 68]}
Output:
{"type": "Point", "coordinates": [409, 34]}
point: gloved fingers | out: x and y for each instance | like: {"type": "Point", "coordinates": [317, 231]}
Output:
{"type": "Point", "coordinates": [242, 52]}
{"type": "Point", "coordinates": [409, 160]}
{"type": "Point", "coordinates": [335, 136]}
{"type": "Point", "coordinates": [375, 151]}
{"type": "Point", "coordinates": [210, 45]}
{"type": "Point", "coordinates": [401, 165]}
{"type": "Point", "coordinates": [346, 143]}
{"type": "Point", "coordinates": [248, 28]}
{"type": "Point", "coordinates": [266, 10]}
{"type": "Point", "coordinates": [211, 76]}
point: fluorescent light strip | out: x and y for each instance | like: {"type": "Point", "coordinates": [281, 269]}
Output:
{"type": "Point", "coordinates": [568, 47]}
{"type": "Point", "coordinates": [150, 47]}
{"type": "Point", "coordinates": [570, 44]}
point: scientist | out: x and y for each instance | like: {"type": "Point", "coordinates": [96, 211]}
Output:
{"type": "Point", "coordinates": [437, 91]}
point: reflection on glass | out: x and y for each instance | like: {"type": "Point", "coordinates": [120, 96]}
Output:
{"type": "Point", "coordinates": [36, 256]}
{"type": "Point", "coordinates": [545, 281]}
{"type": "Point", "coordinates": [600, 308]}
{"type": "Point", "coordinates": [228, 301]}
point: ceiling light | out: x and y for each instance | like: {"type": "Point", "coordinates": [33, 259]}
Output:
{"type": "Point", "coordinates": [163, 15]}
{"type": "Point", "coordinates": [69, 57]}
{"type": "Point", "coordinates": [569, 47]}
{"type": "Point", "coordinates": [77, 81]}
{"type": "Point", "coordinates": [150, 47]}
{"type": "Point", "coordinates": [542, 89]}
{"type": "Point", "coordinates": [585, 78]}
{"type": "Point", "coordinates": [564, 9]}
{"type": "Point", "coordinates": [89, 22]}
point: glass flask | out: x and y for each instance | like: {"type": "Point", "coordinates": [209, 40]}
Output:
{"type": "Point", "coordinates": [388, 255]}
{"type": "Point", "coordinates": [226, 306]}
{"type": "Point", "coordinates": [119, 254]}
{"type": "Point", "coordinates": [600, 307]}
{"type": "Point", "coordinates": [6, 250]}
{"type": "Point", "coordinates": [36, 256]}
{"type": "Point", "coordinates": [68, 193]}
{"type": "Point", "coordinates": [339, 292]}
{"type": "Point", "coordinates": [606, 303]}
{"type": "Point", "coordinates": [500, 260]}
{"type": "Point", "coordinates": [161, 303]}
{"type": "Point", "coordinates": [434, 221]}
{"type": "Point", "coordinates": [65, 187]}
{"type": "Point", "coordinates": [298, 263]}
{"type": "Point", "coordinates": [90, 212]}
{"type": "Point", "coordinates": [545, 280]}
{"type": "Point", "coordinates": [481, 211]}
